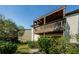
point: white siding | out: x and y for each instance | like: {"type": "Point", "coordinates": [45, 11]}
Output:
{"type": "Point", "coordinates": [71, 27]}
{"type": "Point", "coordinates": [35, 37]}
{"type": "Point", "coordinates": [78, 23]}
{"type": "Point", "coordinates": [26, 36]}
{"type": "Point", "coordinates": [32, 35]}
{"type": "Point", "coordinates": [73, 23]}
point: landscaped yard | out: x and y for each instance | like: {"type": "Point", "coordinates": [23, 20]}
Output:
{"type": "Point", "coordinates": [23, 48]}
{"type": "Point", "coordinates": [26, 49]}
{"type": "Point", "coordinates": [43, 46]}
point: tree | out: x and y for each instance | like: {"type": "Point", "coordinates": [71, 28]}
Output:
{"type": "Point", "coordinates": [9, 30]}
{"type": "Point", "coordinates": [21, 30]}
{"type": "Point", "coordinates": [1, 27]}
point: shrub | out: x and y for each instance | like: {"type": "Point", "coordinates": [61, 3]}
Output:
{"type": "Point", "coordinates": [44, 44]}
{"type": "Point", "coordinates": [56, 46]}
{"type": "Point", "coordinates": [32, 44]}
{"type": "Point", "coordinates": [77, 37]}
{"type": "Point", "coordinates": [71, 48]}
{"type": "Point", "coordinates": [7, 47]}
{"type": "Point", "coordinates": [23, 49]}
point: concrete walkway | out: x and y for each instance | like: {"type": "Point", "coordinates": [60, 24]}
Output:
{"type": "Point", "coordinates": [34, 51]}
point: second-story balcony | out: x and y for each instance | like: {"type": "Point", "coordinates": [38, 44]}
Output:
{"type": "Point", "coordinates": [51, 27]}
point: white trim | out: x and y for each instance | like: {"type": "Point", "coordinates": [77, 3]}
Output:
{"type": "Point", "coordinates": [72, 15]}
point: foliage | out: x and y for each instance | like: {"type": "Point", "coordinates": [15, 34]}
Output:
{"type": "Point", "coordinates": [71, 48]}
{"type": "Point", "coordinates": [22, 49]}
{"type": "Point", "coordinates": [32, 44]}
{"type": "Point", "coordinates": [21, 30]}
{"type": "Point", "coordinates": [7, 47]}
{"type": "Point", "coordinates": [9, 30]}
{"type": "Point", "coordinates": [77, 36]}
{"type": "Point", "coordinates": [44, 44]}
{"type": "Point", "coordinates": [56, 46]}
{"type": "Point", "coordinates": [63, 47]}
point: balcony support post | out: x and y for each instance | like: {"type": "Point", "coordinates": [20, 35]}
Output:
{"type": "Point", "coordinates": [64, 12]}
{"type": "Point", "coordinates": [44, 23]}
{"type": "Point", "coordinates": [44, 20]}
{"type": "Point", "coordinates": [61, 24]}
{"type": "Point", "coordinates": [44, 34]}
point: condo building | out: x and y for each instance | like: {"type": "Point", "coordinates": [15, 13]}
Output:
{"type": "Point", "coordinates": [57, 23]}
{"type": "Point", "coordinates": [27, 36]}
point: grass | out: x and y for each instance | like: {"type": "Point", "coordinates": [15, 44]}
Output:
{"type": "Point", "coordinates": [23, 49]}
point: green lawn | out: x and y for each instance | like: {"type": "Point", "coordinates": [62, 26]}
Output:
{"type": "Point", "coordinates": [23, 49]}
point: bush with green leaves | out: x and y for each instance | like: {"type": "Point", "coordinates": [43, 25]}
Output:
{"type": "Point", "coordinates": [32, 44]}
{"type": "Point", "coordinates": [61, 46]}
{"type": "Point", "coordinates": [77, 37]}
{"type": "Point", "coordinates": [57, 46]}
{"type": "Point", "coordinates": [44, 44]}
{"type": "Point", "coordinates": [7, 47]}
{"type": "Point", "coordinates": [71, 48]}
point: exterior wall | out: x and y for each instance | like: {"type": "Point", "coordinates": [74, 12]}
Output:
{"type": "Point", "coordinates": [71, 27]}
{"type": "Point", "coordinates": [34, 36]}
{"type": "Point", "coordinates": [78, 23]}
{"type": "Point", "coordinates": [27, 36]}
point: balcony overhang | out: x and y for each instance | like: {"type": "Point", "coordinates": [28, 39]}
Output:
{"type": "Point", "coordinates": [73, 12]}
{"type": "Point", "coordinates": [57, 14]}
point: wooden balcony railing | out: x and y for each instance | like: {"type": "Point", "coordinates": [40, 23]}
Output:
{"type": "Point", "coordinates": [55, 26]}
